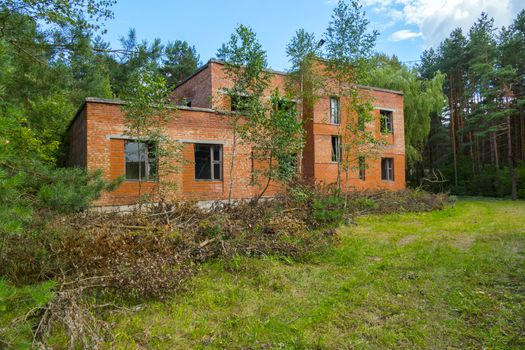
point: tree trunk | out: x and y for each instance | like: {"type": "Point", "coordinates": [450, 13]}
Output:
{"type": "Point", "coordinates": [232, 163]}
{"type": "Point", "coordinates": [270, 170]}
{"type": "Point", "coordinates": [453, 135]}
{"type": "Point", "coordinates": [494, 149]}
{"type": "Point", "coordinates": [512, 172]}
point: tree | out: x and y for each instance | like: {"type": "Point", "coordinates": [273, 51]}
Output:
{"type": "Point", "coordinates": [276, 135]}
{"type": "Point", "coordinates": [484, 117]}
{"type": "Point", "coordinates": [146, 115]}
{"type": "Point", "coordinates": [246, 66]}
{"type": "Point", "coordinates": [303, 81]}
{"type": "Point", "coordinates": [180, 61]}
{"type": "Point", "coordinates": [349, 46]}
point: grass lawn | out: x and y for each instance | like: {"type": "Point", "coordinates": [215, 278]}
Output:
{"type": "Point", "coordinates": [448, 279]}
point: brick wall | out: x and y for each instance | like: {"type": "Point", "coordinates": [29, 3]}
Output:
{"type": "Point", "coordinates": [76, 141]}
{"type": "Point", "coordinates": [106, 152]}
{"type": "Point", "coordinates": [97, 141]}
{"type": "Point", "coordinates": [205, 87]}
{"type": "Point", "coordinates": [197, 89]}
{"type": "Point", "coordinates": [325, 171]}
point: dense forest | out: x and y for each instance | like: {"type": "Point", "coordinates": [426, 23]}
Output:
{"type": "Point", "coordinates": [478, 142]}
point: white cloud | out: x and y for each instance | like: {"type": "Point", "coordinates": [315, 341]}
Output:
{"type": "Point", "coordinates": [404, 34]}
{"type": "Point", "coordinates": [435, 19]}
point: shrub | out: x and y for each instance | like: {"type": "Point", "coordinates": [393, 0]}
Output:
{"type": "Point", "coordinates": [328, 210]}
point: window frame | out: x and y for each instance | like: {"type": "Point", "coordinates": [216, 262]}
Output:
{"type": "Point", "coordinates": [147, 168]}
{"type": "Point", "coordinates": [337, 150]}
{"type": "Point", "coordinates": [386, 121]}
{"type": "Point", "coordinates": [387, 172]}
{"type": "Point", "coordinates": [335, 118]}
{"type": "Point", "coordinates": [212, 163]}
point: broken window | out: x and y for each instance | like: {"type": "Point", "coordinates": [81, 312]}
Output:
{"type": "Point", "coordinates": [208, 162]}
{"type": "Point", "coordinates": [336, 149]}
{"type": "Point", "coordinates": [335, 115]}
{"type": "Point", "coordinates": [387, 169]}
{"type": "Point", "coordinates": [386, 121]}
{"type": "Point", "coordinates": [141, 161]}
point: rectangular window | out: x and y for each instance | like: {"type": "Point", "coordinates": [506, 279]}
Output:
{"type": "Point", "coordinates": [239, 103]}
{"type": "Point", "coordinates": [336, 149]}
{"type": "Point", "coordinates": [208, 162]}
{"type": "Point", "coordinates": [141, 161]}
{"type": "Point", "coordinates": [335, 115]}
{"type": "Point", "coordinates": [386, 121]}
{"type": "Point", "coordinates": [387, 169]}
{"type": "Point", "coordinates": [283, 104]}
{"type": "Point", "coordinates": [362, 166]}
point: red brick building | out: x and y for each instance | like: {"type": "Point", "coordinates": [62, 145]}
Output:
{"type": "Point", "coordinates": [96, 140]}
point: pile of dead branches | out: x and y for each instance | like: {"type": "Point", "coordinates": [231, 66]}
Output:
{"type": "Point", "coordinates": [150, 253]}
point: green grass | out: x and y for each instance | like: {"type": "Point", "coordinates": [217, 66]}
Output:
{"type": "Point", "coordinates": [448, 279]}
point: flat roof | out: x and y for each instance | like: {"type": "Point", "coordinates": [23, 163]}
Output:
{"type": "Point", "coordinates": [214, 60]}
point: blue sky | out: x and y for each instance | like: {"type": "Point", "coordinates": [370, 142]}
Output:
{"type": "Point", "coordinates": [406, 27]}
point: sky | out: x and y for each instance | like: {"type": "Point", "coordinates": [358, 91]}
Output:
{"type": "Point", "coordinates": [406, 27]}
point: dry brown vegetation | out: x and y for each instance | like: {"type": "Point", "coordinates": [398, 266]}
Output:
{"type": "Point", "coordinates": [149, 253]}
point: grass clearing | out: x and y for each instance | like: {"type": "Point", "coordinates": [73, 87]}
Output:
{"type": "Point", "coordinates": [448, 279]}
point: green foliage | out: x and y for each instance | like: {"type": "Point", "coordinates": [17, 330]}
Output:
{"type": "Point", "coordinates": [246, 66]}
{"type": "Point", "coordinates": [277, 137]}
{"type": "Point", "coordinates": [349, 44]}
{"type": "Point", "coordinates": [328, 210]}
{"type": "Point", "coordinates": [21, 300]}
{"type": "Point", "coordinates": [180, 62]}
{"type": "Point", "coordinates": [365, 203]}
{"type": "Point", "coordinates": [62, 13]}
{"type": "Point", "coordinates": [422, 98]}
{"type": "Point", "coordinates": [147, 112]}
{"type": "Point", "coordinates": [478, 133]}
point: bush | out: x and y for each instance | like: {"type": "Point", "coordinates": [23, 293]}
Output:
{"type": "Point", "coordinates": [328, 210]}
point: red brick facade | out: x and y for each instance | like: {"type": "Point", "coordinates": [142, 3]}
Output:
{"type": "Point", "coordinates": [96, 140]}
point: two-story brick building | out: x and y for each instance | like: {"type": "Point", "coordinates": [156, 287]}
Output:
{"type": "Point", "coordinates": [96, 139]}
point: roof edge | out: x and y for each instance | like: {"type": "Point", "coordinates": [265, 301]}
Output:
{"type": "Point", "coordinates": [217, 61]}
{"type": "Point", "coordinates": [111, 101]}
{"type": "Point", "coordinates": [397, 92]}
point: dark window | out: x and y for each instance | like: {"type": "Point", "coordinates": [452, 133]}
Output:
{"type": "Point", "coordinates": [208, 162]}
{"type": "Point", "coordinates": [336, 149]}
{"type": "Point", "coordinates": [188, 102]}
{"type": "Point", "coordinates": [141, 161]}
{"type": "Point", "coordinates": [362, 167]}
{"type": "Point", "coordinates": [239, 103]}
{"type": "Point", "coordinates": [283, 104]}
{"type": "Point", "coordinates": [387, 169]}
{"type": "Point", "coordinates": [386, 121]}
{"type": "Point", "coordinates": [335, 114]}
